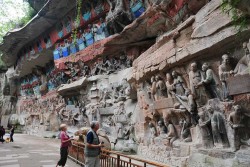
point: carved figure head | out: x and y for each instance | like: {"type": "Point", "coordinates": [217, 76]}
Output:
{"type": "Point", "coordinates": [160, 123]}
{"type": "Point", "coordinates": [174, 74]}
{"type": "Point", "coordinates": [202, 114]}
{"type": "Point", "coordinates": [237, 108]}
{"type": "Point", "coordinates": [193, 67]}
{"type": "Point", "coordinates": [169, 77]}
{"type": "Point", "coordinates": [157, 78]}
{"type": "Point", "coordinates": [205, 67]}
{"type": "Point", "coordinates": [210, 109]}
{"type": "Point", "coordinates": [225, 59]}
{"type": "Point", "coordinates": [151, 125]}
{"type": "Point", "coordinates": [152, 79]}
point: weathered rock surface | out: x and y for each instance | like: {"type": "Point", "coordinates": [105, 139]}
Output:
{"type": "Point", "coordinates": [207, 33]}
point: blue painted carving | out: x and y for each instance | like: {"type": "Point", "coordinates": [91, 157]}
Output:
{"type": "Point", "coordinates": [137, 7]}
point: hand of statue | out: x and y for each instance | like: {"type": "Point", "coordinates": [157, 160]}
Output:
{"type": "Point", "coordinates": [231, 72]}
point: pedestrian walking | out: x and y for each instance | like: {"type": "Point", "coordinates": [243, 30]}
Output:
{"type": "Point", "coordinates": [12, 131]}
{"type": "Point", "coordinates": [2, 133]}
{"type": "Point", "coordinates": [65, 143]}
{"type": "Point", "coordinates": [93, 146]}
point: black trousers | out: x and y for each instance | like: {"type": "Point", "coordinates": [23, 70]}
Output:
{"type": "Point", "coordinates": [64, 156]}
{"type": "Point", "coordinates": [11, 137]}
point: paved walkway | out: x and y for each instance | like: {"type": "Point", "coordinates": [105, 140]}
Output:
{"type": "Point", "coordinates": [31, 151]}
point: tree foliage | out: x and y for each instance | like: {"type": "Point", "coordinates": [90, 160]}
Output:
{"type": "Point", "coordinates": [13, 14]}
{"type": "Point", "coordinates": [239, 19]}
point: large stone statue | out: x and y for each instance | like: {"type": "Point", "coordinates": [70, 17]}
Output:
{"type": "Point", "coordinates": [153, 132]}
{"type": "Point", "coordinates": [225, 71]}
{"type": "Point", "coordinates": [189, 103]}
{"type": "Point", "coordinates": [93, 113]}
{"type": "Point", "coordinates": [161, 129]}
{"type": "Point", "coordinates": [160, 88]}
{"type": "Point", "coordinates": [206, 134]}
{"type": "Point", "coordinates": [179, 84]}
{"type": "Point", "coordinates": [218, 128]}
{"type": "Point", "coordinates": [171, 136]}
{"type": "Point", "coordinates": [236, 121]}
{"type": "Point", "coordinates": [118, 17]}
{"type": "Point", "coordinates": [131, 130]}
{"type": "Point", "coordinates": [120, 131]}
{"type": "Point", "coordinates": [169, 84]}
{"type": "Point", "coordinates": [243, 66]}
{"type": "Point", "coordinates": [195, 77]}
{"type": "Point", "coordinates": [208, 80]}
{"type": "Point", "coordinates": [185, 131]}
{"type": "Point", "coordinates": [152, 91]}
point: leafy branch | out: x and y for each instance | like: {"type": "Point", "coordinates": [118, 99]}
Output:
{"type": "Point", "coordinates": [78, 18]}
{"type": "Point", "coordinates": [239, 19]}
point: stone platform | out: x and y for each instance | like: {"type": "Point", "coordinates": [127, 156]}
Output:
{"type": "Point", "coordinates": [31, 151]}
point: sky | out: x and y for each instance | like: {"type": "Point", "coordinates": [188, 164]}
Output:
{"type": "Point", "coordinates": [12, 9]}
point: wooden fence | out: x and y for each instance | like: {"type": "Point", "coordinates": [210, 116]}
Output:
{"type": "Point", "coordinates": [110, 158]}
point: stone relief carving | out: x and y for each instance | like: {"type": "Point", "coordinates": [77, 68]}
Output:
{"type": "Point", "coordinates": [202, 111]}
{"type": "Point", "coordinates": [218, 127]}
{"type": "Point", "coordinates": [237, 120]}
{"type": "Point", "coordinates": [195, 77]}
{"type": "Point", "coordinates": [225, 71]}
{"type": "Point", "coordinates": [243, 66]}
{"type": "Point", "coordinates": [118, 17]}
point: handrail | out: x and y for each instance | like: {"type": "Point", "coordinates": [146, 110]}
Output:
{"type": "Point", "coordinates": [110, 158]}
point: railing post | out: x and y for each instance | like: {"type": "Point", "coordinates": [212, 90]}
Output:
{"type": "Point", "coordinates": [118, 160]}
{"type": "Point", "coordinates": [77, 155]}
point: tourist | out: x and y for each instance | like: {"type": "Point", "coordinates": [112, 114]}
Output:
{"type": "Point", "coordinates": [65, 142]}
{"type": "Point", "coordinates": [93, 146]}
{"type": "Point", "coordinates": [2, 133]}
{"type": "Point", "coordinates": [12, 130]}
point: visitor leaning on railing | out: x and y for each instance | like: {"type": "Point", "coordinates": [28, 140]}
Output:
{"type": "Point", "coordinates": [93, 147]}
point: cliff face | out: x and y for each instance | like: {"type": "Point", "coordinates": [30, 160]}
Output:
{"type": "Point", "coordinates": [205, 48]}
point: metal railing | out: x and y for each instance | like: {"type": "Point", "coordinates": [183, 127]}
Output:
{"type": "Point", "coordinates": [110, 158]}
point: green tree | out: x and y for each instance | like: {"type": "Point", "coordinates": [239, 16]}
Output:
{"type": "Point", "coordinates": [13, 14]}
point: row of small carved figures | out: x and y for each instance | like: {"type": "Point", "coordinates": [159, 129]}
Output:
{"type": "Point", "coordinates": [203, 84]}
{"type": "Point", "coordinates": [212, 125]}
{"type": "Point", "coordinates": [75, 70]}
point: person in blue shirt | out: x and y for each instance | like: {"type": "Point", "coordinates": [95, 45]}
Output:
{"type": "Point", "coordinates": [93, 146]}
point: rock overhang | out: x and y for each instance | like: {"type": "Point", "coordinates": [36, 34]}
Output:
{"type": "Point", "coordinates": [45, 19]}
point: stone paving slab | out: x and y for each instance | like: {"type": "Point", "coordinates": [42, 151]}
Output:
{"type": "Point", "coordinates": [31, 151]}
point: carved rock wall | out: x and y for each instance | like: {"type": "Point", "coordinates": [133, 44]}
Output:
{"type": "Point", "coordinates": [203, 38]}
{"type": "Point", "coordinates": [207, 34]}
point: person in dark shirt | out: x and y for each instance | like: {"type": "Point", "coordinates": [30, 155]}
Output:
{"type": "Point", "coordinates": [93, 146]}
{"type": "Point", "coordinates": [12, 130]}
{"type": "Point", "coordinates": [2, 133]}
